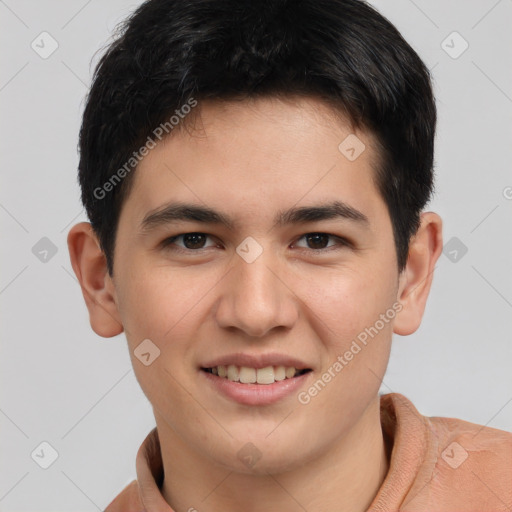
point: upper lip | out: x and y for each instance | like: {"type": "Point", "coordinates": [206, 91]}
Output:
{"type": "Point", "coordinates": [257, 361]}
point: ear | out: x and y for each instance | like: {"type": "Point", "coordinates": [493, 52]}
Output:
{"type": "Point", "coordinates": [416, 278]}
{"type": "Point", "coordinates": [90, 266]}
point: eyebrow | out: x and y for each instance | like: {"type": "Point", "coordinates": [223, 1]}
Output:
{"type": "Point", "coordinates": [189, 212]}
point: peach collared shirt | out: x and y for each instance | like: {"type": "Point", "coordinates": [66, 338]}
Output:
{"type": "Point", "coordinates": [437, 465]}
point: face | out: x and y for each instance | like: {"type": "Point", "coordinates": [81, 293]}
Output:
{"type": "Point", "coordinates": [295, 269]}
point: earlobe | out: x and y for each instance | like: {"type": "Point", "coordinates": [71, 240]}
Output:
{"type": "Point", "coordinates": [90, 267]}
{"type": "Point", "coordinates": [416, 279]}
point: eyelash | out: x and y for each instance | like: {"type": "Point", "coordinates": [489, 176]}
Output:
{"type": "Point", "coordinates": [167, 243]}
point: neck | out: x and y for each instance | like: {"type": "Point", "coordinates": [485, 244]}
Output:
{"type": "Point", "coordinates": [345, 478]}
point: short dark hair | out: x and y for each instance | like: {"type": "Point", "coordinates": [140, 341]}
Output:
{"type": "Point", "coordinates": [341, 51]}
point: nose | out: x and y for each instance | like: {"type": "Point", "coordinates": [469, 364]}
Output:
{"type": "Point", "coordinates": [256, 298]}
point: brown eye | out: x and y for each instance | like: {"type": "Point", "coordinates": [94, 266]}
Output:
{"type": "Point", "coordinates": [322, 241]}
{"type": "Point", "coordinates": [186, 241]}
{"type": "Point", "coordinates": [194, 240]}
{"type": "Point", "coordinates": [317, 240]}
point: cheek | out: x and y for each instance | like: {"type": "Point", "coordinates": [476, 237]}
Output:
{"type": "Point", "coordinates": [164, 305]}
{"type": "Point", "coordinates": [346, 301]}
{"type": "Point", "coordinates": [172, 307]}
{"type": "Point", "coordinates": [347, 307]}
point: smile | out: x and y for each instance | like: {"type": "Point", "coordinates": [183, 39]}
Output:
{"type": "Point", "coordinates": [255, 386]}
{"type": "Point", "coordinates": [247, 375]}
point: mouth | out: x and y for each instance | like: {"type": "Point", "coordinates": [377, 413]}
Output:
{"type": "Point", "coordinates": [247, 375]}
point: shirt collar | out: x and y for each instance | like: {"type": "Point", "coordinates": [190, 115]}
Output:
{"type": "Point", "coordinates": [150, 474]}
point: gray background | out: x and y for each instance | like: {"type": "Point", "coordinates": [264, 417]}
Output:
{"type": "Point", "coordinates": [62, 384]}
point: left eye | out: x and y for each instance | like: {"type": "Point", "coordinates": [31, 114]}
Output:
{"type": "Point", "coordinates": [319, 241]}
{"type": "Point", "coordinates": [190, 240]}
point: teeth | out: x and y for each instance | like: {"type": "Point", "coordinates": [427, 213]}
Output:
{"type": "Point", "coordinates": [246, 375]}
{"type": "Point", "coordinates": [265, 375]}
{"type": "Point", "coordinates": [233, 373]}
{"type": "Point", "coordinates": [290, 372]}
{"type": "Point", "coordinates": [279, 373]}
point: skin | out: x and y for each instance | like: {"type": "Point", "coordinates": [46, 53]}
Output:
{"type": "Point", "coordinates": [250, 160]}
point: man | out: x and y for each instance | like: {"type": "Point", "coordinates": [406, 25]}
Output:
{"type": "Point", "coordinates": [256, 174]}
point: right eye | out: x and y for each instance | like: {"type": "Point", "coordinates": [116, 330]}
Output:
{"type": "Point", "coordinates": [190, 242]}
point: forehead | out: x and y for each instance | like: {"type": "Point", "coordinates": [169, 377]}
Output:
{"type": "Point", "coordinates": [258, 154]}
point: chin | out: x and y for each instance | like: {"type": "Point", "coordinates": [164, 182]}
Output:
{"type": "Point", "coordinates": [261, 457]}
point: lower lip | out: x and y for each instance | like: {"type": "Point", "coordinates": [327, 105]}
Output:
{"type": "Point", "coordinates": [256, 394]}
